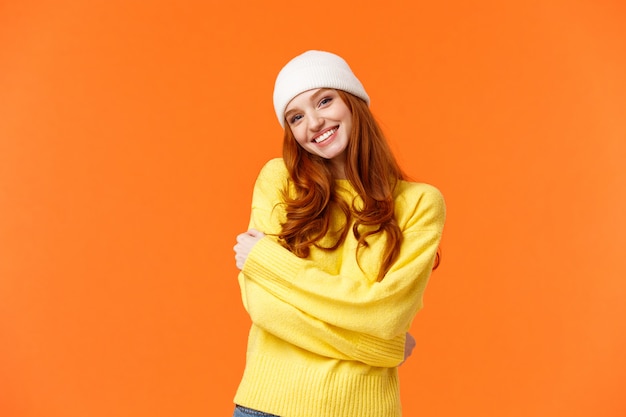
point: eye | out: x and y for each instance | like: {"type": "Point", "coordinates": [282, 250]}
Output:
{"type": "Point", "coordinates": [295, 118]}
{"type": "Point", "coordinates": [325, 101]}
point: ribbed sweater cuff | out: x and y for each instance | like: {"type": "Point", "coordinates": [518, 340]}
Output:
{"type": "Point", "coordinates": [272, 266]}
{"type": "Point", "coordinates": [372, 349]}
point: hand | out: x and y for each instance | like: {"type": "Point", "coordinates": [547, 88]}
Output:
{"type": "Point", "coordinates": [409, 345]}
{"type": "Point", "coordinates": [245, 242]}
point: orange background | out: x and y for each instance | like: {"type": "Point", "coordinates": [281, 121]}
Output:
{"type": "Point", "coordinates": [130, 137]}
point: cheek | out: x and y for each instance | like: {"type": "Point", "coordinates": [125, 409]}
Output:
{"type": "Point", "coordinates": [299, 136]}
{"type": "Point", "coordinates": [348, 125]}
{"type": "Point", "coordinates": [346, 116]}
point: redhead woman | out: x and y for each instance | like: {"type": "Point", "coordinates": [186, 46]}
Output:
{"type": "Point", "coordinates": [337, 256]}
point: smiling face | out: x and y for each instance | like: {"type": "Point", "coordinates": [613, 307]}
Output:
{"type": "Point", "coordinates": [321, 123]}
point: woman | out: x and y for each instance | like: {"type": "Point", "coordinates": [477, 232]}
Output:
{"type": "Point", "coordinates": [338, 254]}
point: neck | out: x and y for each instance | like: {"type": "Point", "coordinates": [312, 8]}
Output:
{"type": "Point", "coordinates": [338, 167]}
{"type": "Point", "coordinates": [339, 173]}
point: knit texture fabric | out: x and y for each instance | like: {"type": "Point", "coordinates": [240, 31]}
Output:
{"type": "Point", "coordinates": [326, 337]}
{"type": "Point", "coordinates": [313, 69]}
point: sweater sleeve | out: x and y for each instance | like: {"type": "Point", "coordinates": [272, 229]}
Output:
{"type": "Point", "coordinates": [300, 329]}
{"type": "Point", "coordinates": [380, 309]}
{"type": "Point", "coordinates": [285, 321]}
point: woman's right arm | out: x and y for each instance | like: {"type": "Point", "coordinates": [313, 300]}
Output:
{"type": "Point", "coordinates": [300, 329]}
{"type": "Point", "coordinates": [382, 309]}
{"type": "Point", "coordinates": [286, 321]}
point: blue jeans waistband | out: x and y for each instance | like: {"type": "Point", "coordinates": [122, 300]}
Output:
{"type": "Point", "coordinates": [246, 412]}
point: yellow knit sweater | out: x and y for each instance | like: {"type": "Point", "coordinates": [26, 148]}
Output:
{"type": "Point", "coordinates": [326, 337]}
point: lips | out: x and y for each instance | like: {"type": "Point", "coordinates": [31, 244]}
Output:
{"type": "Point", "coordinates": [324, 136]}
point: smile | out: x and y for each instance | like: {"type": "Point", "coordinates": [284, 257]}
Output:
{"type": "Point", "coordinates": [324, 136]}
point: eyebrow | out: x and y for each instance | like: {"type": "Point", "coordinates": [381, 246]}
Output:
{"type": "Point", "coordinates": [314, 97]}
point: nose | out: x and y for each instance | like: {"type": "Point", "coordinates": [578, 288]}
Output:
{"type": "Point", "coordinates": [315, 122]}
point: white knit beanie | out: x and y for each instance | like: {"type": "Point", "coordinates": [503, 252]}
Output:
{"type": "Point", "coordinates": [314, 69]}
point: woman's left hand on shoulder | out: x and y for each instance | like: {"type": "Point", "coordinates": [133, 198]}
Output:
{"type": "Point", "coordinates": [245, 243]}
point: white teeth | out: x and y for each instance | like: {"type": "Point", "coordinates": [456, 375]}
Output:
{"type": "Point", "coordinates": [325, 136]}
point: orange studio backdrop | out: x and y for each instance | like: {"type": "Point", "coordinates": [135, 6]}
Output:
{"type": "Point", "coordinates": [130, 136]}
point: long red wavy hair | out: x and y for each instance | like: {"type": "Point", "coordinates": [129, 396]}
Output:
{"type": "Point", "coordinates": [373, 172]}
